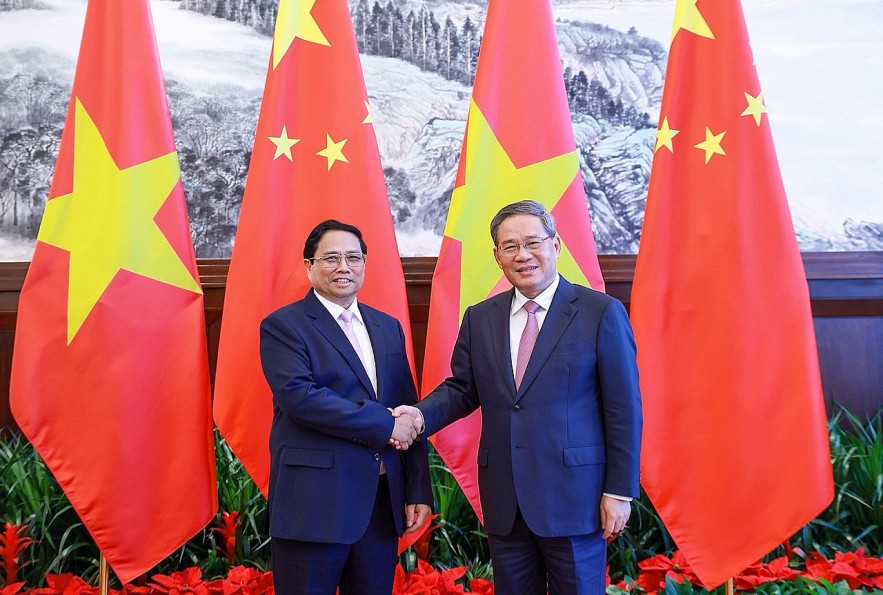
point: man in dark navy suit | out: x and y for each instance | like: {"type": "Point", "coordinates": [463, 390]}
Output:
{"type": "Point", "coordinates": [340, 494]}
{"type": "Point", "coordinates": [552, 366]}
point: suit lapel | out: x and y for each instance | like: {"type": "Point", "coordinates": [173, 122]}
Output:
{"type": "Point", "coordinates": [559, 317]}
{"type": "Point", "coordinates": [499, 330]}
{"type": "Point", "coordinates": [378, 346]}
{"type": "Point", "coordinates": [325, 324]}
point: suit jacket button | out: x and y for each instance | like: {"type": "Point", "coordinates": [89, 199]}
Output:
{"type": "Point", "coordinates": [516, 408]}
{"type": "Point", "coordinates": [376, 456]}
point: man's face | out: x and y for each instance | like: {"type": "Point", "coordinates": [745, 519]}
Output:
{"type": "Point", "coordinates": [530, 272]}
{"type": "Point", "coordinates": [340, 283]}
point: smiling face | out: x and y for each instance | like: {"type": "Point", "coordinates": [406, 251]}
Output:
{"type": "Point", "coordinates": [529, 272]}
{"type": "Point", "coordinates": [340, 284]}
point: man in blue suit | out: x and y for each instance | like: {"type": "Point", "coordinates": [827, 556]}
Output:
{"type": "Point", "coordinates": [339, 494]}
{"type": "Point", "coordinates": [552, 366]}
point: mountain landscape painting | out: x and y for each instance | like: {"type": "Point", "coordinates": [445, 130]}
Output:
{"type": "Point", "coordinates": [818, 61]}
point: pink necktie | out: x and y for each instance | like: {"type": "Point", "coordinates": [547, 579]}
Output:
{"type": "Point", "coordinates": [528, 340]}
{"type": "Point", "coordinates": [347, 317]}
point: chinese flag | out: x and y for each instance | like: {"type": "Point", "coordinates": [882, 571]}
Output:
{"type": "Point", "coordinates": [518, 145]}
{"type": "Point", "coordinates": [735, 451]}
{"type": "Point", "coordinates": [110, 374]}
{"type": "Point", "coordinates": [315, 158]}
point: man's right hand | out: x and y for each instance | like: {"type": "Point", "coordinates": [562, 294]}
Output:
{"type": "Point", "coordinates": [403, 432]}
{"type": "Point", "coordinates": [412, 412]}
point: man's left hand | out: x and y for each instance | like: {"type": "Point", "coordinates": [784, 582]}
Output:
{"type": "Point", "coordinates": [415, 516]}
{"type": "Point", "coordinates": [614, 515]}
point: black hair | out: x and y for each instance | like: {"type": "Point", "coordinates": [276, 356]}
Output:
{"type": "Point", "coordinates": [320, 230]}
{"type": "Point", "coordinates": [523, 207]}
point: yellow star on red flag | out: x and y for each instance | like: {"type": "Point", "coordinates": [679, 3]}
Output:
{"type": "Point", "coordinates": [664, 136]}
{"type": "Point", "coordinates": [294, 20]}
{"type": "Point", "coordinates": [491, 182]}
{"type": "Point", "coordinates": [283, 144]}
{"type": "Point", "coordinates": [333, 151]}
{"type": "Point", "coordinates": [712, 144]}
{"type": "Point", "coordinates": [755, 108]}
{"type": "Point", "coordinates": [107, 222]}
{"type": "Point", "coordinates": [688, 18]}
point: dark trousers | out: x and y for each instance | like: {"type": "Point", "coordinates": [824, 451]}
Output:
{"type": "Point", "coordinates": [366, 567]}
{"type": "Point", "coordinates": [524, 561]}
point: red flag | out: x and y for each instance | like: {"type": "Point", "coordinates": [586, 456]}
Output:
{"type": "Point", "coordinates": [110, 375]}
{"type": "Point", "coordinates": [315, 158]}
{"type": "Point", "coordinates": [735, 452]}
{"type": "Point", "coordinates": [518, 145]}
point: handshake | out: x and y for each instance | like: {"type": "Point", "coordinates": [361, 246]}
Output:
{"type": "Point", "coordinates": [408, 425]}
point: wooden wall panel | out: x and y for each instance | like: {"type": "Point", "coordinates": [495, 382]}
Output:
{"type": "Point", "coordinates": [6, 338]}
{"type": "Point", "coordinates": [846, 290]}
{"type": "Point", "coordinates": [851, 361]}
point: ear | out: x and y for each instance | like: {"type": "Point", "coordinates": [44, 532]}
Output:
{"type": "Point", "coordinates": [497, 257]}
{"type": "Point", "coordinates": [307, 265]}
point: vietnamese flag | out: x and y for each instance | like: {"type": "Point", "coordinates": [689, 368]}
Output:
{"type": "Point", "coordinates": [110, 375]}
{"type": "Point", "coordinates": [518, 145]}
{"type": "Point", "coordinates": [735, 448]}
{"type": "Point", "coordinates": [315, 158]}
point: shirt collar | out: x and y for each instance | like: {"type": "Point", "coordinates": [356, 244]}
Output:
{"type": "Point", "coordinates": [336, 309]}
{"type": "Point", "coordinates": [544, 299]}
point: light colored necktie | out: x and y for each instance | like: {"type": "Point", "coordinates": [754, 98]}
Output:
{"type": "Point", "coordinates": [347, 317]}
{"type": "Point", "coordinates": [528, 340]}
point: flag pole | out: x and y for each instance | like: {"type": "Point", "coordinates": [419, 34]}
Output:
{"type": "Point", "coordinates": [103, 575]}
{"type": "Point", "coordinates": [729, 589]}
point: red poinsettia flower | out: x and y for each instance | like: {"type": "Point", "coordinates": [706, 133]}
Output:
{"type": "Point", "coordinates": [11, 588]}
{"type": "Point", "coordinates": [130, 589]}
{"type": "Point", "coordinates": [852, 567]}
{"type": "Point", "coordinates": [423, 579]}
{"type": "Point", "coordinates": [780, 570]}
{"type": "Point", "coordinates": [652, 575]}
{"type": "Point", "coordinates": [654, 571]}
{"type": "Point", "coordinates": [759, 573]}
{"type": "Point", "coordinates": [481, 586]}
{"type": "Point", "coordinates": [227, 530]}
{"type": "Point", "coordinates": [65, 584]}
{"type": "Point", "coordinates": [215, 587]}
{"type": "Point", "coordinates": [239, 579]}
{"type": "Point", "coordinates": [450, 578]}
{"type": "Point", "coordinates": [398, 579]}
{"type": "Point", "coordinates": [13, 542]}
{"type": "Point", "coordinates": [426, 580]}
{"type": "Point", "coordinates": [870, 569]}
{"type": "Point", "coordinates": [188, 581]}
{"type": "Point", "coordinates": [262, 585]}
{"type": "Point", "coordinates": [836, 571]}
